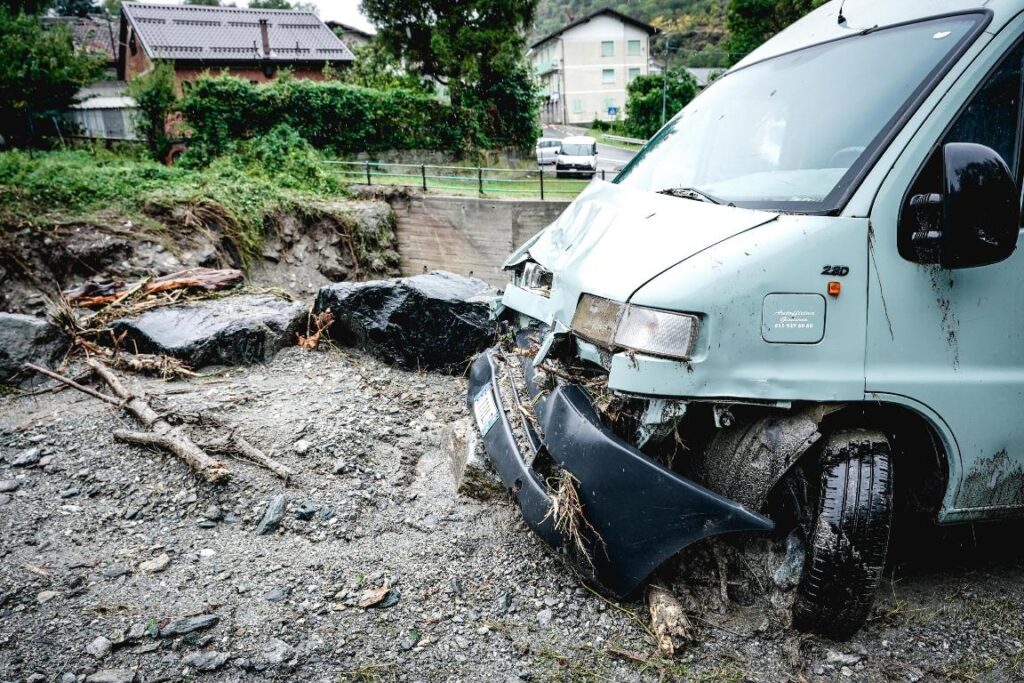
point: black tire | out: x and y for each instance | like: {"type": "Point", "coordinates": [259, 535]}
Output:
{"type": "Point", "coordinates": [559, 174]}
{"type": "Point", "coordinates": [847, 535]}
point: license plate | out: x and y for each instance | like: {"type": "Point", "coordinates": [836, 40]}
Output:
{"type": "Point", "coordinates": [485, 410]}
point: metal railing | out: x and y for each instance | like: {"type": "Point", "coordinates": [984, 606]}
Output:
{"type": "Point", "coordinates": [473, 180]}
{"type": "Point", "coordinates": [619, 138]}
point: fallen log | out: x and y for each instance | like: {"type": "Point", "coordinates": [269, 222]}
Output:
{"type": "Point", "coordinates": [96, 294]}
{"type": "Point", "coordinates": [165, 436]}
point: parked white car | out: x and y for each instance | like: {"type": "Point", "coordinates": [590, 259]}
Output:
{"type": "Point", "coordinates": [577, 156]}
{"type": "Point", "coordinates": [547, 150]}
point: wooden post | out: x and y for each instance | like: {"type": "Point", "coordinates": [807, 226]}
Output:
{"type": "Point", "coordinates": [480, 178]}
{"type": "Point", "coordinates": [368, 181]}
{"type": "Point", "coordinates": [423, 173]}
{"type": "Point", "coordinates": [541, 169]}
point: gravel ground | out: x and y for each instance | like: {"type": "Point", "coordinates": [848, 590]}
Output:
{"type": "Point", "coordinates": [117, 563]}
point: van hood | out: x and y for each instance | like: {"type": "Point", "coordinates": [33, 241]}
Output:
{"type": "Point", "coordinates": [612, 239]}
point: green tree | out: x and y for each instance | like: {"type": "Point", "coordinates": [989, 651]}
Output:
{"type": "Point", "coordinates": [270, 4]}
{"type": "Point", "coordinates": [457, 44]}
{"type": "Point", "coordinates": [75, 8]}
{"type": "Point", "coordinates": [28, 6]}
{"type": "Point", "coordinates": [751, 22]}
{"type": "Point", "coordinates": [156, 98]}
{"type": "Point", "coordinates": [375, 67]}
{"type": "Point", "coordinates": [40, 72]}
{"type": "Point", "coordinates": [644, 98]}
{"type": "Point", "coordinates": [205, 3]}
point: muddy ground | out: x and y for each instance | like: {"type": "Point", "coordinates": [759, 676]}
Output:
{"type": "Point", "coordinates": [473, 596]}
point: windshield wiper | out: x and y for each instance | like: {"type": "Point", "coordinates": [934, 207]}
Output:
{"type": "Point", "coordinates": [692, 193]}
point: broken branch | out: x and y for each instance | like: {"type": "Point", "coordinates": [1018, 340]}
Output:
{"type": "Point", "coordinates": [71, 383]}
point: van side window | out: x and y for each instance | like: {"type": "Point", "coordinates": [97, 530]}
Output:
{"type": "Point", "coordinates": [993, 117]}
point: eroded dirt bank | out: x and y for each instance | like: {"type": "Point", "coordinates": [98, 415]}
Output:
{"type": "Point", "coordinates": [105, 547]}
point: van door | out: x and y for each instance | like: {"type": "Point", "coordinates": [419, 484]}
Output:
{"type": "Point", "coordinates": [950, 342]}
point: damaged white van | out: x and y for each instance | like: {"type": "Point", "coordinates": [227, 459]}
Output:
{"type": "Point", "coordinates": [797, 311]}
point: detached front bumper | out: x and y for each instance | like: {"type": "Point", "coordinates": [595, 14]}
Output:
{"type": "Point", "coordinates": [643, 512]}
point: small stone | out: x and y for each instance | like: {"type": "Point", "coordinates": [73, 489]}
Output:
{"type": "Point", "coordinates": [157, 564]}
{"type": "Point", "coordinates": [213, 513]}
{"type": "Point", "coordinates": [273, 515]}
{"type": "Point", "coordinates": [834, 657]}
{"type": "Point", "coordinates": [45, 597]}
{"type": "Point", "coordinates": [9, 485]}
{"type": "Point", "coordinates": [36, 678]}
{"type": "Point", "coordinates": [179, 627]}
{"type": "Point", "coordinates": [69, 492]}
{"type": "Point", "coordinates": [99, 648]}
{"type": "Point", "coordinates": [301, 447]}
{"type": "Point", "coordinates": [276, 651]}
{"type": "Point", "coordinates": [206, 661]}
{"type": "Point", "coordinates": [137, 632]}
{"type": "Point", "coordinates": [307, 510]}
{"type": "Point", "coordinates": [207, 552]}
{"type": "Point", "coordinates": [111, 676]}
{"type": "Point", "coordinates": [340, 465]}
{"type": "Point", "coordinates": [114, 571]}
{"type": "Point", "coordinates": [27, 458]}
{"type": "Point", "coordinates": [544, 617]}
{"type": "Point", "coordinates": [68, 677]}
{"type": "Point", "coordinates": [276, 595]}
{"type": "Point", "coordinates": [4, 499]}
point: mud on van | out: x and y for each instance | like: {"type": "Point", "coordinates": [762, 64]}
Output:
{"type": "Point", "coordinates": [798, 306]}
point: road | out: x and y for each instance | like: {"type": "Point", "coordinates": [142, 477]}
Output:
{"type": "Point", "coordinates": [609, 159]}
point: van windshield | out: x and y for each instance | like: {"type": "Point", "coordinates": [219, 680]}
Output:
{"type": "Point", "coordinates": [577, 150]}
{"type": "Point", "coordinates": [791, 133]}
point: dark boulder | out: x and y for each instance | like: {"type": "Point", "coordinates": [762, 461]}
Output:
{"type": "Point", "coordinates": [27, 339]}
{"type": "Point", "coordinates": [234, 330]}
{"type": "Point", "coordinates": [433, 321]}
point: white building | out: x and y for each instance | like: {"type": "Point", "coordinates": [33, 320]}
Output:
{"type": "Point", "coordinates": [585, 66]}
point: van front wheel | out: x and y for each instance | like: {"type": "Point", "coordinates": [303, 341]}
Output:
{"type": "Point", "coordinates": [847, 535]}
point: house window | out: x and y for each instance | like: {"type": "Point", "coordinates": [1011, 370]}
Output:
{"type": "Point", "coordinates": [634, 71]}
{"type": "Point", "coordinates": [608, 76]}
{"type": "Point", "coordinates": [577, 106]}
{"type": "Point", "coordinates": [633, 48]}
{"type": "Point", "coordinates": [607, 48]}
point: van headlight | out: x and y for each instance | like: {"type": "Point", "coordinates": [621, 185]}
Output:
{"type": "Point", "coordinates": [533, 276]}
{"type": "Point", "coordinates": [647, 330]}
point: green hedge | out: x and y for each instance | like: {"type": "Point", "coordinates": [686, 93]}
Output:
{"type": "Point", "coordinates": [330, 115]}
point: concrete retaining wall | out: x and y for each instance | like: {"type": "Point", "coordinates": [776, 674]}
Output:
{"type": "Point", "coordinates": [466, 235]}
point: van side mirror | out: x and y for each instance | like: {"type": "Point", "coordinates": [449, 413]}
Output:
{"type": "Point", "coordinates": [976, 219]}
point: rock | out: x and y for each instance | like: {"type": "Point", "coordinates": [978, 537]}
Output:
{"type": "Point", "coordinates": [157, 564]}
{"type": "Point", "coordinates": [544, 616]}
{"type": "Point", "coordinates": [273, 515]}
{"type": "Point", "coordinates": [68, 677]}
{"type": "Point", "coordinates": [206, 661]}
{"type": "Point", "coordinates": [36, 678]}
{"type": "Point", "coordinates": [307, 510]}
{"type": "Point", "coordinates": [787, 573]}
{"type": "Point", "coordinates": [473, 473]}
{"type": "Point", "coordinates": [27, 457]}
{"type": "Point", "coordinates": [45, 597]}
{"type": "Point", "coordinates": [114, 571]}
{"type": "Point", "coordinates": [301, 447]}
{"type": "Point", "coordinates": [213, 513]}
{"type": "Point", "coordinates": [69, 492]}
{"type": "Point", "coordinates": [179, 627]}
{"type": "Point", "coordinates": [111, 676]}
{"type": "Point", "coordinates": [99, 648]}
{"type": "Point", "coordinates": [27, 339]}
{"type": "Point", "coordinates": [834, 657]}
{"type": "Point", "coordinates": [235, 330]}
{"type": "Point", "coordinates": [207, 552]}
{"type": "Point", "coordinates": [276, 651]}
{"type": "Point", "coordinates": [4, 499]}
{"type": "Point", "coordinates": [433, 321]}
{"type": "Point", "coordinates": [136, 632]}
{"type": "Point", "coordinates": [276, 595]}
{"type": "Point", "coordinates": [9, 485]}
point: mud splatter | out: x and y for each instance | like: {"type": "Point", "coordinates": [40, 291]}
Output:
{"type": "Point", "coordinates": [996, 481]}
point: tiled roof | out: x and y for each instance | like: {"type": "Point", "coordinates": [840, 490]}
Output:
{"type": "Point", "coordinates": [582, 20]}
{"type": "Point", "coordinates": [94, 34]}
{"type": "Point", "coordinates": [222, 34]}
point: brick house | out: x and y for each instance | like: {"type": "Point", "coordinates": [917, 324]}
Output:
{"type": "Point", "coordinates": [254, 44]}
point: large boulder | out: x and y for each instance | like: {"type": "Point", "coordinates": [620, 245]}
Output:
{"type": "Point", "coordinates": [433, 321]}
{"type": "Point", "coordinates": [235, 330]}
{"type": "Point", "coordinates": [27, 339]}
